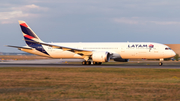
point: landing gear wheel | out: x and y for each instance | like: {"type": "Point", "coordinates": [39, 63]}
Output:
{"type": "Point", "coordinates": [84, 63]}
{"type": "Point", "coordinates": [97, 63]}
{"type": "Point", "coordinates": [160, 63]}
{"type": "Point", "coordinates": [88, 62]}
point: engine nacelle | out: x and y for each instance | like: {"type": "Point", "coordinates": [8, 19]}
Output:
{"type": "Point", "coordinates": [101, 56]}
{"type": "Point", "coordinates": [121, 60]}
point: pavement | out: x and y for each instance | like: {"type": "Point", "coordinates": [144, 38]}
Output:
{"type": "Point", "coordinates": [67, 63]}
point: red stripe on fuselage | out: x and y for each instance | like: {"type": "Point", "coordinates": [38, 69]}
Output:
{"type": "Point", "coordinates": [27, 36]}
{"type": "Point", "coordinates": [24, 24]}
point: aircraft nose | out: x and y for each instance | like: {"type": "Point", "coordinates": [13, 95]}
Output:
{"type": "Point", "coordinates": [173, 53]}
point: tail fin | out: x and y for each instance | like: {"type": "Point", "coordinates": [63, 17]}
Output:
{"type": "Point", "coordinates": [29, 34]}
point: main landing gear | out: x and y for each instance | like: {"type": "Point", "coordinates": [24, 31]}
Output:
{"type": "Point", "coordinates": [97, 63]}
{"type": "Point", "coordinates": [86, 63]}
{"type": "Point", "coordinates": [89, 63]}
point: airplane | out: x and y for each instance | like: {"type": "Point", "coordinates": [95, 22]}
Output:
{"type": "Point", "coordinates": [93, 52]}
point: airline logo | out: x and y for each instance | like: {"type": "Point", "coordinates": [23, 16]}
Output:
{"type": "Point", "coordinates": [141, 46]}
{"type": "Point", "coordinates": [151, 46]}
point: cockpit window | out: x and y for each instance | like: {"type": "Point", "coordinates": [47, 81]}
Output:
{"type": "Point", "coordinates": [167, 48]}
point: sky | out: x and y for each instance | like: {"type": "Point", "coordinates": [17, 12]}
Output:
{"type": "Point", "coordinates": [90, 21]}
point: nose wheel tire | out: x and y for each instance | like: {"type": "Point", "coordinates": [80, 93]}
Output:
{"type": "Point", "coordinates": [160, 63]}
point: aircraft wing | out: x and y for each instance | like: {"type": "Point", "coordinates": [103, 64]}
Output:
{"type": "Point", "coordinates": [19, 47]}
{"type": "Point", "coordinates": [81, 52]}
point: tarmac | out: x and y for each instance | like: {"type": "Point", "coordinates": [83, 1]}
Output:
{"type": "Point", "coordinates": [64, 63]}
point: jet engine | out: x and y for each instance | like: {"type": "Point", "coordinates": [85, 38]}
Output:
{"type": "Point", "coordinates": [101, 56]}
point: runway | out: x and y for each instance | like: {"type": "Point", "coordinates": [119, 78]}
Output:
{"type": "Point", "coordinates": [63, 64]}
{"type": "Point", "coordinates": [89, 66]}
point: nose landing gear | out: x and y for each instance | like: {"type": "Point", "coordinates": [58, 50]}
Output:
{"type": "Point", "coordinates": [160, 63]}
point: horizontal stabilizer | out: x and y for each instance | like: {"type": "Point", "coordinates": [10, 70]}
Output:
{"type": "Point", "coordinates": [19, 47]}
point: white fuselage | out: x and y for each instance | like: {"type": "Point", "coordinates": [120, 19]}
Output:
{"type": "Point", "coordinates": [124, 50]}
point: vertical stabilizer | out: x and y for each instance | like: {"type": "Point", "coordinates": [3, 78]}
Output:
{"type": "Point", "coordinates": [28, 34]}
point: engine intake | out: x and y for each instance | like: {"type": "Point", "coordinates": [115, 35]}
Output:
{"type": "Point", "coordinates": [101, 56]}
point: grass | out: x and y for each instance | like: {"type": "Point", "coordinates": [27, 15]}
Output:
{"type": "Point", "coordinates": [87, 84]}
{"type": "Point", "coordinates": [21, 57]}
